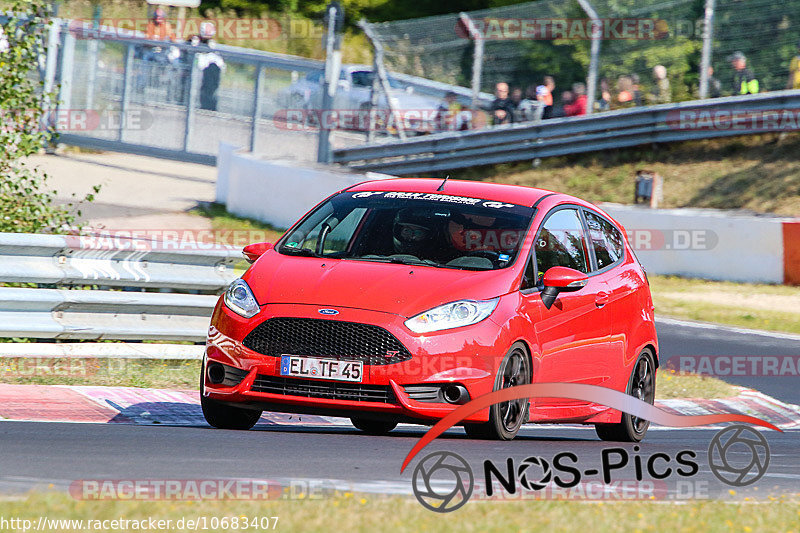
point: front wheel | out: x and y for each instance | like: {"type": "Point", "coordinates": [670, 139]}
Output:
{"type": "Point", "coordinates": [641, 385]}
{"type": "Point", "coordinates": [506, 418]}
{"type": "Point", "coordinates": [373, 427]}
{"type": "Point", "coordinates": [223, 416]}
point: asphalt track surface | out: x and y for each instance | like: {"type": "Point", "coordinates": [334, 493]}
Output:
{"type": "Point", "coordinates": [38, 454]}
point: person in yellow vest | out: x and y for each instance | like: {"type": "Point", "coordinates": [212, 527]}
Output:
{"type": "Point", "coordinates": [794, 71]}
{"type": "Point", "coordinates": [744, 82]}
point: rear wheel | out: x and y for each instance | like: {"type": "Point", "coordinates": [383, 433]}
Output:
{"type": "Point", "coordinates": [373, 427]}
{"type": "Point", "coordinates": [506, 418]}
{"type": "Point", "coordinates": [641, 385]}
{"type": "Point", "coordinates": [223, 416]}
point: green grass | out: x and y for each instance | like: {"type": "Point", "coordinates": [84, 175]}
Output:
{"type": "Point", "coordinates": [756, 172]}
{"type": "Point", "coordinates": [177, 374]}
{"type": "Point", "coordinates": [222, 220]}
{"type": "Point", "coordinates": [369, 513]}
{"type": "Point", "coordinates": [672, 385]}
{"type": "Point", "coordinates": [166, 374]}
{"type": "Point", "coordinates": [767, 307]}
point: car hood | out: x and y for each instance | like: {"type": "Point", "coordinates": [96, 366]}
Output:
{"type": "Point", "coordinates": [392, 288]}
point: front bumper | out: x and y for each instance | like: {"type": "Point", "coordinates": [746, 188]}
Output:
{"type": "Point", "coordinates": [466, 356]}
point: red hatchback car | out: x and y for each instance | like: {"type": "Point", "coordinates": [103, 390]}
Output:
{"type": "Point", "coordinates": [399, 300]}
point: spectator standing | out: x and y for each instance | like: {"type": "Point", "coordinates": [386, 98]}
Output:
{"type": "Point", "coordinates": [714, 85]}
{"type": "Point", "coordinates": [526, 110]}
{"type": "Point", "coordinates": [604, 103]}
{"type": "Point", "coordinates": [636, 91]}
{"type": "Point", "coordinates": [502, 107]}
{"type": "Point", "coordinates": [662, 93]}
{"type": "Point", "coordinates": [794, 71]}
{"type": "Point", "coordinates": [744, 82]}
{"type": "Point", "coordinates": [516, 101]}
{"type": "Point", "coordinates": [567, 98]}
{"type": "Point", "coordinates": [159, 28]}
{"type": "Point", "coordinates": [448, 113]}
{"type": "Point", "coordinates": [624, 91]}
{"type": "Point", "coordinates": [579, 102]}
{"type": "Point", "coordinates": [544, 94]}
{"type": "Point", "coordinates": [211, 65]}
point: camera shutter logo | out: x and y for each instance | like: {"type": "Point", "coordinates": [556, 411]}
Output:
{"type": "Point", "coordinates": [738, 455]}
{"type": "Point", "coordinates": [454, 486]}
{"type": "Point", "coordinates": [526, 476]}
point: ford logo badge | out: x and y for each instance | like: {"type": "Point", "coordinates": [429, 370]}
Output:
{"type": "Point", "coordinates": [328, 311]}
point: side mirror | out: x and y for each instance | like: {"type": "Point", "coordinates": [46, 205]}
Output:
{"type": "Point", "coordinates": [561, 279]}
{"type": "Point", "coordinates": [253, 251]}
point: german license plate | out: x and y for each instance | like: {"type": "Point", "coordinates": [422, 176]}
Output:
{"type": "Point", "coordinates": [313, 367]}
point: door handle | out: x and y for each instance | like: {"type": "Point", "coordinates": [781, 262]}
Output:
{"type": "Point", "coordinates": [601, 299]}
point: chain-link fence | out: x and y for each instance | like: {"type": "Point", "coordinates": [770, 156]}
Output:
{"type": "Point", "coordinates": [523, 43]}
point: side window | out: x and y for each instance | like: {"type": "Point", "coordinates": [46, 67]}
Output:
{"type": "Point", "coordinates": [606, 239]}
{"type": "Point", "coordinates": [339, 237]}
{"type": "Point", "coordinates": [561, 242]}
{"type": "Point", "coordinates": [529, 277]}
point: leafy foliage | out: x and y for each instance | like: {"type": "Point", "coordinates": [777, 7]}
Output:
{"type": "Point", "coordinates": [26, 205]}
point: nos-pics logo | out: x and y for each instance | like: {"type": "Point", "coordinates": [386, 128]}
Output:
{"type": "Point", "coordinates": [443, 481]}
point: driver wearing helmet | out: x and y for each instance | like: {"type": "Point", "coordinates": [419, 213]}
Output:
{"type": "Point", "coordinates": [414, 233]}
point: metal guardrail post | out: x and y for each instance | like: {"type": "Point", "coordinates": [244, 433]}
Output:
{"type": "Point", "coordinates": [383, 77]}
{"type": "Point", "coordinates": [597, 33]}
{"type": "Point", "coordinates": [708, 36]}
{"type": "Point", "coordinates": [194, 89]}
{"type": "Point", "coordinates": [92, 74]}
{"type": "Point", "coordinates": [67, 68]}
{"type": "Point", "coordinates": [257, 101]}
{"type": "Point", "coordinates": [127, 87]}
{"type": "Point", "coordinates": [477, 58]}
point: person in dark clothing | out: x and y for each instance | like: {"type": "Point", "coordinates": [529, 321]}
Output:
{"type": "Point", "coordinates": [211, 65]}
{"type": "Point", "coordinates": [714, 85]}
{"type": "Point", "coordinates": [744, 82]}
{"type": "Point", "coordinates": [502, 107]}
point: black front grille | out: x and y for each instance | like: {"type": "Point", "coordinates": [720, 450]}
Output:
{"type": "Point", "coordinates": [326, 338]}
{"type": "Point", "coordinates": [308, 388]}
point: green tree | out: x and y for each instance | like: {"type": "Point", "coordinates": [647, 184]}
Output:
{"type": "Point", "coordinates": [26, 204]}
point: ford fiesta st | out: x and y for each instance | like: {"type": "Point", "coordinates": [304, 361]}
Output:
{"type": "Point", "coordinates": [399, 300]}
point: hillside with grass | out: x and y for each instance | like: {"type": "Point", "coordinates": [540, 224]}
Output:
{"type": "Point", "coordinates": [759, 173]}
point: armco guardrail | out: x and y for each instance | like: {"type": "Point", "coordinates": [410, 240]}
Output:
{"type": "Point", "coordinates": [82, 262]}
{"type": "Point", "coordinates": [703, 119]}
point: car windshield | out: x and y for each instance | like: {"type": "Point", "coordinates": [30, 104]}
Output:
{"type": "Point", "coordinates": [430, 229]}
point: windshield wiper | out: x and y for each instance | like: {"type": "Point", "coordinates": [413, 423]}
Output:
{"type": "Point", "coordinates": [401, 260]}
{"type": "Point", "coordinates": [305, 252]}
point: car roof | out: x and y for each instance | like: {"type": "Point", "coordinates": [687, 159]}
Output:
{"type": "Point", "coordinates": [499, 192]}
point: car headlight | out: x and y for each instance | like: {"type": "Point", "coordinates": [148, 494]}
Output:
{"type": "Point", "coordinates": [239, 299]}
{"type": "Point", "coordinates": [452, 315]}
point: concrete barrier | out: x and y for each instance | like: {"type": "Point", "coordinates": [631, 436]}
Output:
{"type": "Point", "coordinates": [278, 192]}
{"type": "Point", "coordinates": [712, 244]}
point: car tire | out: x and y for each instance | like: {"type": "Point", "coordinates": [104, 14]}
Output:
{"type": "Point", "coordinates": [223, 416]}
{"type": "Point", "coordinates": [373, 427]}
{"type": "Point", "coordinates": [506, 418]}
{"type": "Point", "coordinates": [642, 385]}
